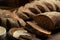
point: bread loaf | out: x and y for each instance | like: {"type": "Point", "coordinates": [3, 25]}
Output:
{"type": "Point", "coordinates": [49, 20]}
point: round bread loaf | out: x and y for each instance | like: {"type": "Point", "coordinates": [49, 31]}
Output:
{"type": "Point", "coordinates": [49, 20]}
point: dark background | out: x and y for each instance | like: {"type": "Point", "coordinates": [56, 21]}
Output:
{"type": "Point", "coordinates": [13, 3]}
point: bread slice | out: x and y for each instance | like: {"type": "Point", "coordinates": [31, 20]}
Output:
{"type": "Point", "coordinates": [35, 29]}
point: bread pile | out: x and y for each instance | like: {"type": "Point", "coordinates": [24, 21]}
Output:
{"type": "Point", "coordinates": [34, 21]}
